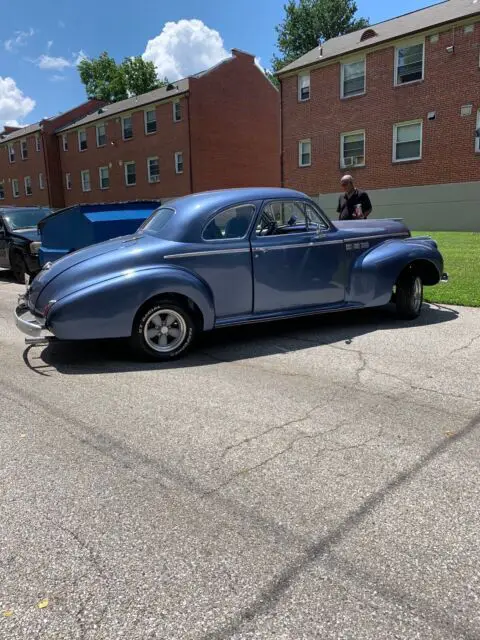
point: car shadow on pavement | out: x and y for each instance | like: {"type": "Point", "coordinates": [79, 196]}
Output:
{"type": "Point", "coordinates": [230, 344]}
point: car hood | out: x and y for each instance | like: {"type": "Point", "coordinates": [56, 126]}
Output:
{"type": "Point", "coordinates": [358, 228]}
{"type": "Point", "coordinates": [96, 263]}
{"type": "Point", "coordinates": [26, 234]}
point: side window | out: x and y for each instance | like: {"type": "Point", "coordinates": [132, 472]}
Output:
{"type": "Point", "coordinates": [279, 218]}
{"type": "Point", "coordinates": [229, 224]}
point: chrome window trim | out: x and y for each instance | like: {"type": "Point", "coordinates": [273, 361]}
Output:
{"type": "Point", "coordinates": [220, 211]}
{"type": "Point", "coordinates": [194, 254]}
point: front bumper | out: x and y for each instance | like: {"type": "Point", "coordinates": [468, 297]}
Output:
{"type": "Point", "coordinates": [31, 325]}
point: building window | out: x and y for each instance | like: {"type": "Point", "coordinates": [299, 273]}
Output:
{"type": "Point", "coordinates": [352, 147]}
{"type": "Point", "coordinates": [27, 181]}
{"type": "Point", "coordinates": [65, 141]}
{"type": "Point", "coordinates": [409, 63]}
{"type": "Point", "coordinates": [68, 181]}
{"type": "Point", "coordinates": [15, 188]}
{"type": "Point", "coordinates": [130, 174]}
{"type": "Point", "coordinates": [127, 128]}
{"type": "Point", "coordinates": [85, 180]}
{"type": "Point", "coordinates": [177, 111]}
{"type": "Point", "coordinates": [41, 181]}
{"type": "Point", "coordinates": [11, 153]}
{"type": "Point", "coordinates": [407, 141]}
{"type": "Point", "coordinates": [352, 78]}
{"type": "Point", "coordinates": [2, 191]}
{"type": "Point", "coordinates": [24, 149]}
{"type": "Point", "coordinates": [304, 87]}
{"type": "Point", "coordinates": [37, 142]}
{"type": "Point", "coordinates": [104, 175]}
{"type": "Point", "coordinates": [82, 140]}
{"type": "Point", "coordinates": [150, 121]}
{"type": "Point", "coordinates": [304, 153]}
{"type": "Point", "coordinates": [101, 135]}
{"type": "Point", "coordinates": [179, 162]}
{"type": "Point", "coordinates": [153, 170]}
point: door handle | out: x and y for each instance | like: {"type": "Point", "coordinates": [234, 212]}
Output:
{"type": "Point", "coordinates": [258, 251]}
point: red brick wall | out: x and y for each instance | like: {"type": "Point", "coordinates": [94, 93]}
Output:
{"type": "Point", "coordinates": [448, 154]}
{"type": "Point", "coordinates": [169, 138]}
{"type": "Point", "coordinates": [235, 124]}
{"type": "Point", "coordinates": [32, 166]}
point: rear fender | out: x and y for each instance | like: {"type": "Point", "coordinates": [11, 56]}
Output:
{"type": "Point", "coordinates": [374, 273]}
{"type": "Point", "coordinates": [107, 309]}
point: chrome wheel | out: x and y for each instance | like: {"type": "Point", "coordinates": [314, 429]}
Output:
{"type": "Point", "coordinates": [164, 330]}
{"type": "Point", "coordinates": [417, 294]}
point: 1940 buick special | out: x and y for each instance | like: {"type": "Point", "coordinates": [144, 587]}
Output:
{"type": "Point", "coordinates": [222, 258]}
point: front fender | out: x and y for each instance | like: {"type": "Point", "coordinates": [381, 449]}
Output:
{"type": "Point", "coordinates": [374, 273]}
{"type": "Point", "coordinates": [107, 309]}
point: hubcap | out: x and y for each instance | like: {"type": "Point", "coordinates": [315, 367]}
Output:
{"type": "Point", "coordinates": [165, 330]}
{"type": "Point", "coordinates": [417, 294]}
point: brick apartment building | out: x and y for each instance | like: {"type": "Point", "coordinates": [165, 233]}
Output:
{"type": "Point", "coordinates": [397, 105]}
{"type": "Point", "coordinates": [217, 129]}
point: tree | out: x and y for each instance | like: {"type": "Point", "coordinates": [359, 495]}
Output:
{"type": "Point", "coordinates": [310, 21]}
{"type": "Point", "coordinates": [104, 79]}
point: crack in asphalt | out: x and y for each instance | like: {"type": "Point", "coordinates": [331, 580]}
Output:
{"type": "Point", "coordinates": [465, 346]}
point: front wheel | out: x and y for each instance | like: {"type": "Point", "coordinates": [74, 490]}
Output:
{"type": "Point", "coordinates": [163, 331]}
{"type": "Point", "coordinates": [409, 296]}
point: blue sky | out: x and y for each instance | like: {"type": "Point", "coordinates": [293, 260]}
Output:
{"type": "Point", "coordinates": [40, 45]}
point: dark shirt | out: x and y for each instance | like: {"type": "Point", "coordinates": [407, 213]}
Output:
{"type": "Point", "coordinates": [346, 206]}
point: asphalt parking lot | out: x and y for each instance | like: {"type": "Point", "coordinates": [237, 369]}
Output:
{"type": "Point", "coordinates": [311, 479]}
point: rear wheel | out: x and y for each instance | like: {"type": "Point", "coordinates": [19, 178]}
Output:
{"type": "Point", "coordinates": [18, 266]}
{"type": "Point", "coordinates": [409, 295]}
{"type": "Point", "coordinates": [163, 331]}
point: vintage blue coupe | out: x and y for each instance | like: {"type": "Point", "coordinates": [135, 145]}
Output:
{"type": "Point", "coordinates": [223, 258]}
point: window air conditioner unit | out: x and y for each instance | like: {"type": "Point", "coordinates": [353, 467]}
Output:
{"type": "Point", "coordinates": [154, 178]}
{"type": "Point", "coordinates": [348, 162]}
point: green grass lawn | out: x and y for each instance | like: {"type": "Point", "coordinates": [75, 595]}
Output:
{"type": "Point", "coordinates": [461, 252]}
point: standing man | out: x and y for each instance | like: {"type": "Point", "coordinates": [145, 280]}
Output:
{"type": "Point", "coordinates": [354, 203]}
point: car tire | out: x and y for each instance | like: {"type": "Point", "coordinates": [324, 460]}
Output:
{"type": "Point", "coordinates": [163, 331]}
{"type": "Point", "coordinates": [409, 295]}
{"type": "Point", "coordinates": [18, 267]}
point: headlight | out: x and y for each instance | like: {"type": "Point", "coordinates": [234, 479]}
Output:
{"type": "Point", "coordinates": [34, 247]}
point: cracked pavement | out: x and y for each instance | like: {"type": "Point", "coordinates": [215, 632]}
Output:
{"type": "Point", "coordinates": [308, 479]}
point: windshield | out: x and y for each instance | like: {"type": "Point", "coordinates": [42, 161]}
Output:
{"type": "Point", "coordinates": [157, 221]}
{"type": "Point", "coordinates": [24, 219]}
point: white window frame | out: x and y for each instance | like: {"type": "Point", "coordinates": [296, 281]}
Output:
{"type": "Point", "coordinates": [65, 141]}
{"type": "Point", "coordinates": [80, 131]}
{"type": "Point", "coordinates": [41, 181]}
{"type": "Point", "coordinates": [129, 117]}
{"type": "Point", "coordinates": [15, 182]}
{"type": "Point", "coordinates": [299, 87]}
{"type": "Point", "coordinates": [174, 107]}
{"type": "Point", "coordinates": [100, 177]}
{"type": "Point", "coordinates": [405, 45]}
{"type": "Point", "coordinates": [343, 64]}
{"type": "Point", "coordinates": [24, 145]}
{"type": "Point", "coordinates": [398, 125]}
{"type": "Point", "coordinates": [37, 142]}
{"type": "Point", "coordinates": [2, 189]}
{"type": "Point", "coordinates": [179, 154]}
{"type": "Point", "coordinates": [477, 137]}
{"type": "Point", "coordinates": [68, 181]}
{"type": "Point", "coordinates": [105, 134]}
{"type": "Point", "coordinates": [149, 173]}
{"type": "Point", "coordinates": [11, 153]}
{"type": "Point", "coordinates": [342, 141]}
{"type": "Point", "coordinates": [28, 181]}
{"type": "Point", "coordinates": [83, 173]}
{"type": "Point", "coordinates": [300, 143]}
{"type": "Point", "coordinates": [150, 133]}
{"type": "Point", "coordinates": [125, 165]}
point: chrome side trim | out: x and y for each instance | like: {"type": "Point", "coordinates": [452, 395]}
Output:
{"type": "Point", "coordinates": [302, 245]}
{"type": "Point", "coordinates": [386, 236]}
{"type": "Point", "coordinates": [194, 254]}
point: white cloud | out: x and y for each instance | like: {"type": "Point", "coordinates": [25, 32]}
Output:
{"type": "Point", "coordinates": [14, 104]}
{"type": "Point", "coordinates": [79, 56]}
{"type": "Point", "coordinates": [49, 45]}
{"type": "Point", "coordinates": [19, 39]}
{"type": "Point", "coordinates": [52, 62]}
{"type": "Point", "coordinates": [183, 48]}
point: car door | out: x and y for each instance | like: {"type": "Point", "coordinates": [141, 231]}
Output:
{"type": "Point", "coordinates": [298, 258]}
{"type": "Point", "coordinates": [4, 261]}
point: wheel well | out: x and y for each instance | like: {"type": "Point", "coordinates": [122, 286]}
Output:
{"type": "Point", "coordinates": [181, 300]}
{"type": "Point", "coordinates": [425, 269]}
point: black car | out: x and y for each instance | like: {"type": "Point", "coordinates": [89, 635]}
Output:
{"type": "Point", "coordinates": [20, 239]}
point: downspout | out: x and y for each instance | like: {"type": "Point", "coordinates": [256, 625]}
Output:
{"type": "Point", "coordinates": [47, 169]}
{"type": "Point", "coordinates": [190, 170]}
{"type": "Point", "coordinates": [281, 135]}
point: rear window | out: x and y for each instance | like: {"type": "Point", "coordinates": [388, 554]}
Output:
{"type": "Point", "coordinates": [158, 220]}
